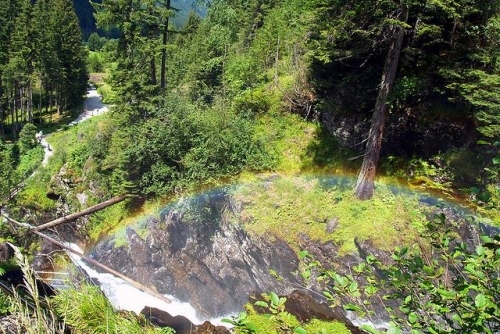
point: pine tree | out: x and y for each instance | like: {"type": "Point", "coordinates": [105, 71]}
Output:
{"type": "Point", "coordinates": [19, 71]}
{"type": "Point", "coordinates": [71, 53]}
{"type": "Point", "coordinates": [135, 78]}
{"type": "Point", "coordinates": [8, 13]}
{"type": "Point", "coordinates": [8, 170]}
{"type": "Point", "coordinates": [48, 65]}
{"type": "Point", "coordinates": [444, 45]}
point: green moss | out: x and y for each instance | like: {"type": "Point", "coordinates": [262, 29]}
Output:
{"type": "Point", "coordinates": [290, 206]}
{"type": "Point", "coordinates": [264, 324]}
{"type": "Point", "coordinates": [316, 326]}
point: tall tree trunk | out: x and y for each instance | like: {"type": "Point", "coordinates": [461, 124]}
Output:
{"type": "Point", "coordinates": [163, 80]}
{"type": "Point", "coordinates": [29, 102]}
{"type": "Point", "coordinates": [153, 71]}
{"type": "Point", "coordinates": [3, 113]}
{"type": "Point", "coordinates": [366, 178]}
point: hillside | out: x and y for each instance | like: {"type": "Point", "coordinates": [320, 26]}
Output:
{"type": "Point", "coordinates": [346, 150]}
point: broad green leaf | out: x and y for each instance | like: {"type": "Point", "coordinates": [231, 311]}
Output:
{"type": "Point", "coordinates": [353, 287]}
{"type": "Point", "coordinates": [306, 274]}
{"type": "Point", "coordinates": [303, 254]}
{"type": "Point", "coordinates": [274, 298]}
{"type": "Point", "coordinates": [456, 318]}
{"type": "Point", "coordinates": [351, 307]}
{"type": "Point", "coordinates": [412, 318]}
{"type": "Point", "coordinates": [261, 304]}
{"type": "Point", "coordinates": [371, 290]}
{"type": "Point", "coordinates": [369, 329]}
{"type": "Point", "coordinates": [480, 301]}
{"type": "Point", "coordinates": [480, 250]}
{"type": "Point", "coordinates": [393, 329]}
{"type": "Point", "coordinates": [300, 330]}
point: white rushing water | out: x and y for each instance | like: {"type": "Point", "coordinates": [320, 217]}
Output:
{"type": "Point", "coordinates": [124, 296]}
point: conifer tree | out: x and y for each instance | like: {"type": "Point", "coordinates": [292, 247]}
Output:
{"type": "Point", "coordinates": [443, 47]}
{"type": "Point", "coordinates": [135, 79]}
{"type": "Point", "coordinates": [7, 167]}
{"type": "Point", "coordinates": [48, 66]}
{"type": "Point", "coordinates": [8, 12]}
{"type": "Point", "coordinates": [70, 52]}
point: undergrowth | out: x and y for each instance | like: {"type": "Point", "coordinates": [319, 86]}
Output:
{"type": "Point", "coordinates": [290, 206]}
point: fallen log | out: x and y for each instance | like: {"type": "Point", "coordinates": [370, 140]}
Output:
{"type": "Point", "coordinates": [104, 267]}
{"type": "Point", "coordinates": [74, 216]}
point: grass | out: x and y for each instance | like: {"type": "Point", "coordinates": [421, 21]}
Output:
{"type": "Point", "coordinates": [300, 146]}
{"type": "Point", "coordinates": [87, 310]}
{"type": "Point", "coordinates": [290, 206]}
{"type": "Point", "coordinates": [269, 324]}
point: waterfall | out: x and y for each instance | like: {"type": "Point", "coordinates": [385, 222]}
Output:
{"type": "Point", "coordinates": [124, 296]}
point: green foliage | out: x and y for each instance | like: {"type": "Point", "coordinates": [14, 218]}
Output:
{"type": "Point", "coordinates": [316, 326]}
{"type": "Point", "coordinates": [95, 42]}
{"type": "Point", "coordinates": [29, 162]}
{"type": "Point", "coordinates": [202, 146]}
{"type": "Point", "coordinates": [439, 285]}
{"type": "Point", "coordinates": [289, 207]}
{"type": "Point", "coordinates": [277, 320]}
{"type": "Point", "coordinates": [5, 304]}
{"type": "Point", "coordinates": [87, 310]}
{"type": "Point", "coordinates": [32, 312]}
{"type": "Point", "coordinates": [27, 138]}
{"type": "Point", "coordinates": [95, 63]}
{"type": "Point", "coordinates": [7, 166]}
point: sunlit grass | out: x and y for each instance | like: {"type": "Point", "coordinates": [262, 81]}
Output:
{"type": "Point", "coordinates": [289, 207]}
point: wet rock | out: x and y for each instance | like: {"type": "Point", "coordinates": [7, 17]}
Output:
{"type": "Point", "coordinates": [208, 328]}
{"type": "Point", "coordinates": [305, 308]}
{"type": "Point", "coordinates": [163, 319]}
{"type": "Point", "coordinates": [43, 258]}
{"type": "Point", "coordinates": [195, 254]}
{"type": "Point", "coordinates": [10, 325]}
{"type": "Point", "coordinates": [180, 324]}
{"type": "Point", "coordinates": [6, 252]}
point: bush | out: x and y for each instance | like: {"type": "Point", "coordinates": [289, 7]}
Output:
{"type": "Point", "coordinates": [27, 138]}
{"type": "Point", "coordinates": [437, 286]}
{"type": "Point", "coordinates": [95, 63]}
{"type": "Point", "coordinates": [182, 145]}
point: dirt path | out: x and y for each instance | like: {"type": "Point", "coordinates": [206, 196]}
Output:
{"type": "Point", "coordinates": [92, 106]}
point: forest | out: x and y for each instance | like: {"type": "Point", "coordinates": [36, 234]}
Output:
{"type": "Point", "coordinates": [212, 92]}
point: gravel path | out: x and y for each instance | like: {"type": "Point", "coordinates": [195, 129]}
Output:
{"type": "Point", "coordinates": [92, 106]}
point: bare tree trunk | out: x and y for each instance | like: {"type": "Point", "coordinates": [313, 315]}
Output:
{"type": "Point", "coordinates": [366, 178]}
{"type": "Point", "coordinates": [163, 80]}
{"type": "Point", "coordinates": [74, 216]}
{"type": "Point", "coordinates": [29, 102]}
{"type": "Point", "coordinates": [3, 113]}
{"type": "Point", "coordinates": [153, 71]}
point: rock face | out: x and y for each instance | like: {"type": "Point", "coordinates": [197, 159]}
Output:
{"type": "Point", "coordinates": [180, 324]}
{"type": "Point", "coordinates": [415, 132]}
{"type": "Point", "coordinates": [195, 253]}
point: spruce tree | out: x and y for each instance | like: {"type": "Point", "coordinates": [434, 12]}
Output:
{"type": "Point", "coordinates": [19, 71]}
{"type": "Point", "coordinates": [48, 65]}
{"type": "Point", "coordinates": [70, 51]}
{"type": "Point", "coordinates": [8, 13]}
{"type": "Point", "coordinates": [448, 51]}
